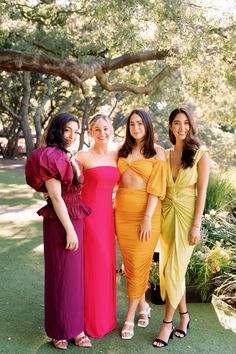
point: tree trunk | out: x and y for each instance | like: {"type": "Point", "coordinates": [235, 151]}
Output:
{"type": "Point", "coordinates": [12, 141]}
{"type": "Point", "coordinates": [29, 145]}
{"type": "Point", "coordinates": [85, 119]}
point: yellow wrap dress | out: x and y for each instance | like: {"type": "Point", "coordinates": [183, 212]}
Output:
{"type": "Point", "coordinates": [130, 207]}
{"type": "Point", "coordinates": [177, 216]}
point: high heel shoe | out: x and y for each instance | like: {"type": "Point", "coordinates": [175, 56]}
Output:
{"type": "Point", "coordinates": [128, 333]}
{"type": "Point", "coordinates": [180, 331]}
{"type": "Point", "coordinates": [161, 341]}
{"type": "Point", "coordinates": [144, 322]}
{"type": "Point", "coordinates": [83, 341]}
{"type": "Point", "coordinates": [60, 344]}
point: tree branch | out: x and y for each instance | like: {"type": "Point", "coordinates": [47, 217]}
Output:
{"type": "Point", "coordinates": [139, 57]}
{"type": "Point", "coordinates": [132, 88]}
{"type": "Point", "coordinates": [77, 73]}
{"type": "Point", "coordinates": [9, 110]}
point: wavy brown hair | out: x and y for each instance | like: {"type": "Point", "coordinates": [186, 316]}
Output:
{"type": "Point", "coordinates": [148, 149]}
{"type": "Point", "coordinates": [191, 143]}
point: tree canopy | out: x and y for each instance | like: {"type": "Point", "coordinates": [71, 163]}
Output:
{"type": "Point", "coordinates": [158, 54]}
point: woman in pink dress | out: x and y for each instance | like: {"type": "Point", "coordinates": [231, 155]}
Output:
{"type": "Point", "coordinates": [100, 177]}
{"type": "Point", "coordinates": [51, 169]}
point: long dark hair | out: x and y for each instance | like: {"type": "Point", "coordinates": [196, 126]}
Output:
{"type": "Point", "coordinates": [54, 137]}
{"type": "Point", "coordinates": [148, 149]}
{"type": "Point", "coordinates": [191, 143]}
{"type": "Point", "coordinates": [55, 130]}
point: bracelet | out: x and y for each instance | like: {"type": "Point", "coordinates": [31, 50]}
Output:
{"type": "Point", "coordinates": [148, 216]}
{"type": "Point", "coordinates": [198, 227]}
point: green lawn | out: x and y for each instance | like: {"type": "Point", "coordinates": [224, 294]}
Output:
{"type": "Point", "coordinates": [21, 307]}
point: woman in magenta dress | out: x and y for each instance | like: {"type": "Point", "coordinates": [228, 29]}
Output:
{"type": "Point", "coordinates": [50, 169]}
{"type": "Point", "coordinates": [100, 177]}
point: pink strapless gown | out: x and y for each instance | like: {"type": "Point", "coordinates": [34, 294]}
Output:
{"type": "Point", "coordinates": [99, 251]}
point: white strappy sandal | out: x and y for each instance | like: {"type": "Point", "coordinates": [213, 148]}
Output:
{"type": "Point", "coordinates": [144, 322]}
{"type": "Point", "coordinates": [83, 341]}
{"type": "Point", "coordinates": [128, 333]}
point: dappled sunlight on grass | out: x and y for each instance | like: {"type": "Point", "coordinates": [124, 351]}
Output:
{"type": "Point", "coordinates": [11, 178]}
{"type": "Point", "coordinates": [17, 234]}
{"type": "Point", "coordinates": [23, 196]}
{"type": "Point", "coordinates": [39, 249]}
{"type": "Point", "coordinates": [9, 188]}
{"type": "Point", "coordinates": [21, 213]}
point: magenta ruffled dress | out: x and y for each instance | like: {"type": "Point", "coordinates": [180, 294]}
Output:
{"type": "Point", "coordinates": [100, 251]}
{"type": "Point", "coordinates": [64, 271]}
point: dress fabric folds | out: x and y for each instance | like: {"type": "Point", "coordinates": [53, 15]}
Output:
{"type": "Point", "coordinates": [64, 280]}
{"type": "Point", "coordinates": [100, 251]}
{"type": "Point", "coordinates": [177, 216]}
{"type": "Point", "coordinates": [130, 207]}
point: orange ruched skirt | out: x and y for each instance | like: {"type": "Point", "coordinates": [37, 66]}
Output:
{"type": "Point", "coordinates": [130, 207]}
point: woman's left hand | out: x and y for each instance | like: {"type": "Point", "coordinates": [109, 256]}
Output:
{"type": "Point", "coordinates": [194, 235]}
{"type": "Point", "coordinates": [145, 229]}
{"type": "Point", "coordinates": [46, 196]}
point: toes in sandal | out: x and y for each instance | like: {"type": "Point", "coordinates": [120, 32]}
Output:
{"type": "Point", "coordinates": [60, 344]}
{"type": "Point", "coordinates": [127, 333]}
{"type": "Point", "coordinates": [161, 341]}
{"type": "Point", "coordinates": [179, 333]}
{"type": "Point", "coordinates": [83, 341]}
{"type": "Point", "coordinates": [144, 322]}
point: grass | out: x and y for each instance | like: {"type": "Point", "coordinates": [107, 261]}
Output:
{"type": "Point", "coordinates": [21, 300]}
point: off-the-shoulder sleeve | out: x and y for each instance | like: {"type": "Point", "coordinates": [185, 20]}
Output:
{"type": "Point", "coordinates": [157, 182]}
{"type": "Point", "coordinates": [46, 163]}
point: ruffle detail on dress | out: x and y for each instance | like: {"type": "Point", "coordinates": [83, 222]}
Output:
{"type": "Point", "coordinates": [75, 212]}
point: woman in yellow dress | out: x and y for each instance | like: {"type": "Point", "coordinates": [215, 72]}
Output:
{"type": "Point", "coordinates": [187, 179]}
{"type": "Point", "coordinates": [138, 211]}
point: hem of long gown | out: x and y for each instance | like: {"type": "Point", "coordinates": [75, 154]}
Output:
{"type": "Point", "coordinates": [75, 334]}
{"type": "Point", "coordinates": [92, 335]}
{"type": "Point", "coordinates": [176, 304]}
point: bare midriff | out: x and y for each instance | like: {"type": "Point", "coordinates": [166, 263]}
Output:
{"type": "Point", "coordinates": [132, 180]}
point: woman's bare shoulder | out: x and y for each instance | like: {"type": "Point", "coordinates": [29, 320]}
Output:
{"type": "Point", "coordinates": [160, 153]}
{"type": "Point", "coordinates": [114, 154]}
{"type": "Point", "coordinates": [81, 155]}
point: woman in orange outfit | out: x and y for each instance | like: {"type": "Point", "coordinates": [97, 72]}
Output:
{"type": "Point", "coordinates": [138, 211]}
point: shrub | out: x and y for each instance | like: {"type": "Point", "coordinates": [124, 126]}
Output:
{"type": "Point", "coordinates": [218, 225]}
{"type": "Point", "coordinates": [221, 194]}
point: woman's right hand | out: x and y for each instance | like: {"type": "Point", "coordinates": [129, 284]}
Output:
{"type": "Point", "coordinates": [72, 242]}
{"type": "Point", "coordinates": [145, 229]}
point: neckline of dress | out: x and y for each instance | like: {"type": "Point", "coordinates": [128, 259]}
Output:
{"type": "Point", "coordinates": [143, 159]}
{"type": "Point", "coordinates": [90, 168]}
{"type": "Point", "coordinates": [179, 170]}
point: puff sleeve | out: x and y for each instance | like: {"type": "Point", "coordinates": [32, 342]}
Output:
{"type": "Point", "coordinates": [157, 181]}
{"type": "Point", "coordinates": [46, 163]}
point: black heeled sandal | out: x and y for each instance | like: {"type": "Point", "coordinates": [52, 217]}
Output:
{"type": "Point", "coordinates": [161, 341]}
{"type": "Point", "coordinates": [180, 331]}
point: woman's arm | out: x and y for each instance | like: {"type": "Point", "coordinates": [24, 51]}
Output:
{"type": "Point", "coordinates": [54, 190]}
{"type": "Point", "coordinates": [145, 228]}
{"type": "Point", "coordinates": [203, 167]}
{"type": "Point", "coordinates": [146, 224]}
